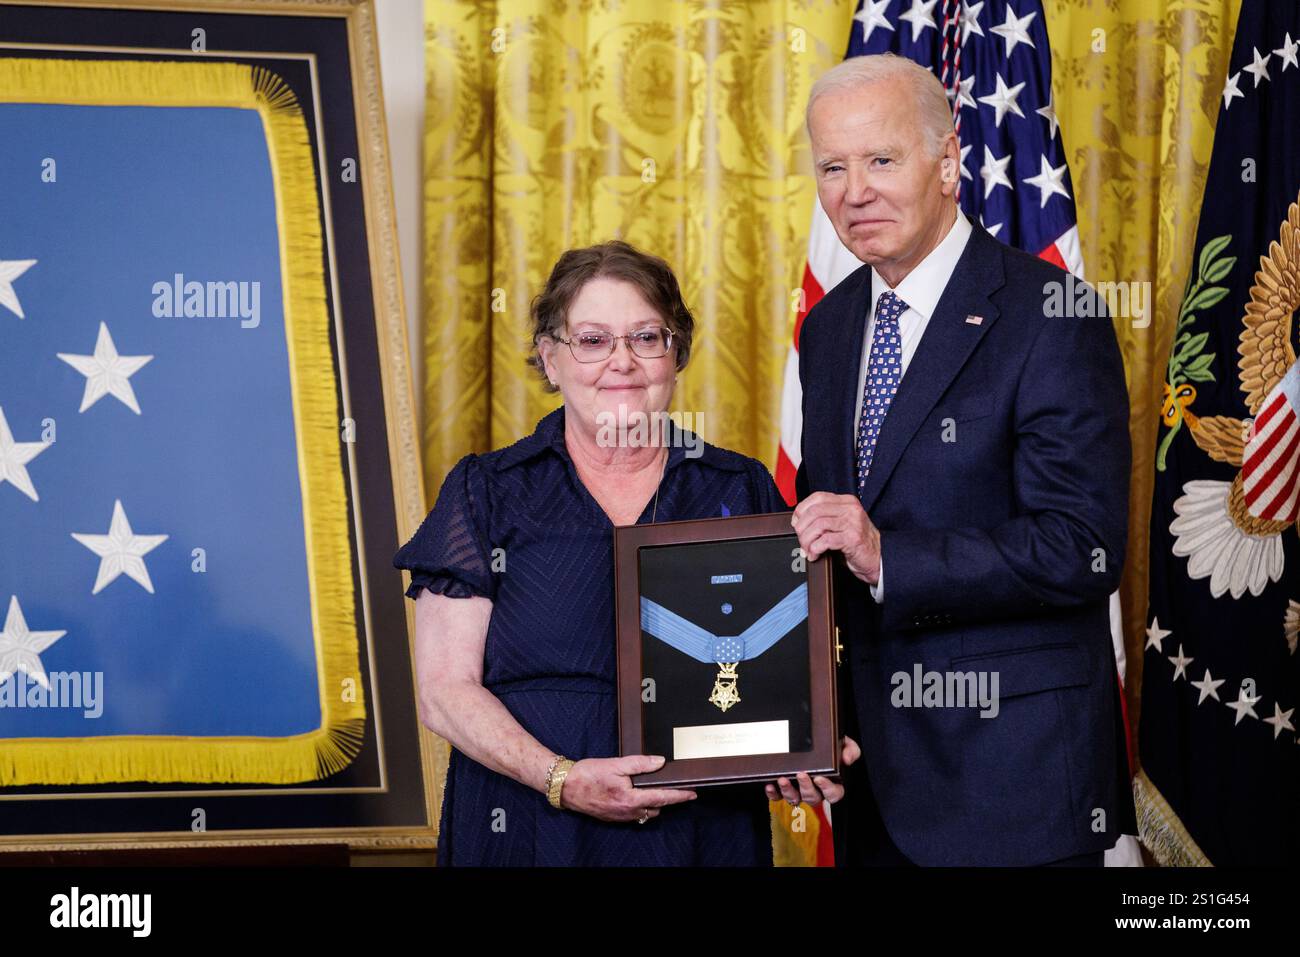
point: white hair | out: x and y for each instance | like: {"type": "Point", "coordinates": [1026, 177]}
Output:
{"type": "Point", "coordinates": [933, 111]}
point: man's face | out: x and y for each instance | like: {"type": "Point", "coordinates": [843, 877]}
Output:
{"type": "Point", "coordinates": [889, 198]}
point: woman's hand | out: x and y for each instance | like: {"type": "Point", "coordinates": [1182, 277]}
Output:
{"type": "Point", "coordinates": [602, 788]}
{"type": "Point", "coordinates": [813, 790]}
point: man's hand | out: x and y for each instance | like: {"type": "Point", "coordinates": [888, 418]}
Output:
{"type": "Point", "coordinates": [814, 790]}
{"type": "Point", "coordinates": [826, 522]}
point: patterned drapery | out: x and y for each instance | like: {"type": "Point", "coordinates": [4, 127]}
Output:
{"type": "Point", "coordinates": [678, 126]}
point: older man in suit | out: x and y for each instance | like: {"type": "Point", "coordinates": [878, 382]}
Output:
{"type": "Point", "coordinates": [968, 456]}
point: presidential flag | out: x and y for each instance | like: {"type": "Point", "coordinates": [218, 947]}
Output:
{"type": "Point", "coordinates": [1220, 779]}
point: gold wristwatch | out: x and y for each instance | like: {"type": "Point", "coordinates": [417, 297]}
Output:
{"type": "Point", "coordinates": [555, 775]}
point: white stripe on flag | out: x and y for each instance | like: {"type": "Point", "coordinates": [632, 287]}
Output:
{"type": "Point", "coordinates": [828, 258]}
{"type": "Point", "coordinates": [1274, 501]}
{"type": "Point", "coordinates": [1286, 428]}
{"type": "Point", "coordinates": [792, 408]}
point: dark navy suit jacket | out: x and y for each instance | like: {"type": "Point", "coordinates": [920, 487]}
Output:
{"type": "Point", "coordinates": [1000, 487]}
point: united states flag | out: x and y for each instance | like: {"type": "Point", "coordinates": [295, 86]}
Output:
{"type": "Point", "coordinates": [994, 59]}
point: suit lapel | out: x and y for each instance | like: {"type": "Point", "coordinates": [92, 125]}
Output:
{"type": "Point", "coordinates": [946, 344]}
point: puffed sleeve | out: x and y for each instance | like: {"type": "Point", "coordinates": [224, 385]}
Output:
{"type": "Point", "coordinates": [766, 494]}
{"type": "Point", "coordinates": [450, 554]}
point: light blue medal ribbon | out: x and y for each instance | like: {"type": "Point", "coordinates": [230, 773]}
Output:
{"type": "Point", "coordinates": [727, 651]}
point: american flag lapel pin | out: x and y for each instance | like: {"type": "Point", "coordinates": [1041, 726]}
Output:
{"type": "Point", "coordinates": [975, 320]}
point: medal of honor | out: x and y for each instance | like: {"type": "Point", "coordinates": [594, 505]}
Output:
{"type": "Point", "coordinates": [724, 686]}
{"type": "Point", "coordinates": [726, 651]}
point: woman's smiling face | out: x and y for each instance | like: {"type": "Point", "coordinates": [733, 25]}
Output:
{"type": "Point", "coordinates": [594, 390]}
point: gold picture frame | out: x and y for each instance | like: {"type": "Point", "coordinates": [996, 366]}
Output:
{"type": "Point", "coordinates": [407, 508]}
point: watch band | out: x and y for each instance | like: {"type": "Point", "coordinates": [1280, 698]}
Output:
{"type": "Point", "coordinates": [555, 776]}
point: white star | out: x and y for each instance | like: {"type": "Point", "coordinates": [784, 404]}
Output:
{"type": "Point", "coordinates": [20, 647]}
{"type": "Point", "coordinates": [920, 16]}
{"type": "Point", "coordinates": [1281, 720]}
{"type": "Point", "coordinates": [1155, 635]}
{"type": "Point", "coordinates": [1003, 100]}
{"type": "Point", "coordinates": [1048, 113]}
{"type": "Point", "coordinates": [963, 93]}
{"type": "Point", "coordinates": [11, 269]}
{"type": "Point", "coordinates": [106, 372]}
{"type": "Point", "coordinates": [970, 13]}
{"type": "Point", "coordinates": [1048, 181]}
{"type": "Point", "coordinates": [965, 173]}
{"type": "Point", "coordinates": [1287, 52]}
{"type": "Point", "coordinates": [1244, 705]}
{"type": "Point", "coordinates": [14, 457]}
{"type": "Point", "coordinates": [121, 551]}
{"type": "Point", "coordinates": [1260, 67]}
{"type": "Point", "coordinates": [994, 171]}
{"type": "Point", "coordinates": [1014, 30]}
{"type": "Point", "coordinates": [994, 229]}
{"type": "Point", "coordinates": [1230, 90]}
{"type": "Point", "coordinates": [1208, 687]}
{"type": "Point", "coordinates": [1180, 663]}
{"type": "Point", "coordinates": [873, 15]}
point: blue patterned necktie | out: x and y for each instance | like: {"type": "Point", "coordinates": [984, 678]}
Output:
{"type": "Point", "coordinates": [884, 370]}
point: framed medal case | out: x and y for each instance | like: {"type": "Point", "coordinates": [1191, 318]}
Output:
{"type": "Point", "coordinates": [727, 651]}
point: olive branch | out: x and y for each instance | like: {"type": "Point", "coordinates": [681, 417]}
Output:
{"type": "Point", "coordinates": [1187, 361]}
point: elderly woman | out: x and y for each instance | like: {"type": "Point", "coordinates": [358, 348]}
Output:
{"type": "Point", "coordinates": [513, 576]}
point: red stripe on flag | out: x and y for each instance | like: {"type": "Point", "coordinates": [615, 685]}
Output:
{"type": "Point", "coordinates": [825, 841]}
{"type": "Point", "coordinates": [785, 472]}
{"type": "Point", "coordinates": [1128, 731]}
{"type": "Point", "coordinates": [1256, 460]}
{"type": "Point", "coordinates": [1255, 457]}
{"type": "Point", "coordinates": [1266, 414]}
{"type": "Point", "coordinates": [1282, 507]}
{"type": "Point", "coordinates": [812, 294]}
{"type": "Point", "coordinates": [1287, 457]}
{"type": "Point", "coordinates": [1053, 256]}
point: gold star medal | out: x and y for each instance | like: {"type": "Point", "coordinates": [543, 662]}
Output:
{"type": "Point", "coordinates": [724, 686]}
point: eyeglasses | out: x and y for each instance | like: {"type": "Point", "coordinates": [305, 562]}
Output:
{"type": "Point", "coordinates": [599, 346]}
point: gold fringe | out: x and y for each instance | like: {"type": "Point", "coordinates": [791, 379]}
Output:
{"type": "Point", "coordinates": [790, 847]}
{"type": "Point", "coordinates": [1161, 831]}
{"type": "Point", "coordinates": [317, 418]}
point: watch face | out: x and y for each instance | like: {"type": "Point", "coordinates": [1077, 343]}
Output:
{"type": "Point", "coordinates": [725, 648]}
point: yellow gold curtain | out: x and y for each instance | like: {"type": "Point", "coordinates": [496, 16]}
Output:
{"type": "Point", "coordinates": [675, 125]}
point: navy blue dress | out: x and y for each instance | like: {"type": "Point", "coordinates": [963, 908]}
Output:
{"type": "Point", "coordinates": [550, 652]}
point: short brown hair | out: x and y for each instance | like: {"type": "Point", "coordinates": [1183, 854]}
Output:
{"type": "Point", "coordinates": [652, 277]}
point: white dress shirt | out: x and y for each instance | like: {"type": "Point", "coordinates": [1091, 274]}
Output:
{"type": "Point", "coordinates": [920, 289]}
